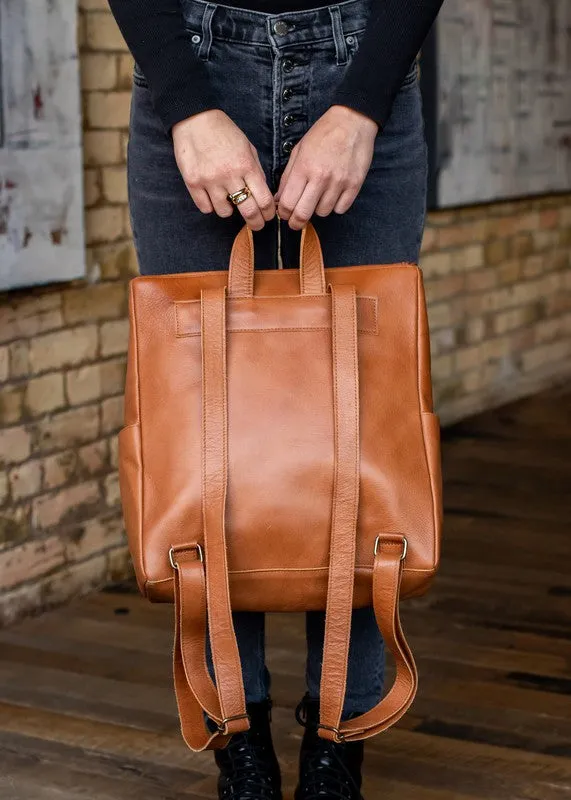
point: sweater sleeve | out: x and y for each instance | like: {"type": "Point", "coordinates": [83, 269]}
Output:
{"type": "Point", "coordinates": [394, 34]}
{"type": "Point", "coordinates": [157, 37]}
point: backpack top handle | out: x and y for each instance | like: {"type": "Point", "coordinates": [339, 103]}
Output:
{"type": "Point", "coordinates": [241, 271]}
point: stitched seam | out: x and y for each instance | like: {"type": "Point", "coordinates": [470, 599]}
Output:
{"type": "Point", "coordinates": [346, 628]}
{"type": "Point", "coordinates": [271, 571]}
{"type": "Point", "coordinates": [327, 38]}
{"type": "Point", "coordinates": [430, 479]}
{"type": "Point", "coordinates": [302, 269]}
{"type": "Point", "coordinates": [336, 469]}
{"type": "Point", "coordinates": [203, 415]}
{"type": "Point", "coordinates": [205, 394]}
{"type": "Point", "coordinates": [203, 439]}
{"type": "Point", "coordinates": [219, 38]}
{"type": "Point", "coordinates": [142, 473]}
{"type": "Point", "coordinates": [299, 329]}
{"type": "Point", "coordinates": [206, 32]}
{"type": "Point", "coordinates": [396, 625]}
{"type": "Point", "coordinates": [363, 297]}
{"type": "Point", "coordinates": [394, 592]}
{"type": "Point", "coordinates": [428, 472]}
{"type": "Point", "coordinates": [177, 324]}
{"type": "Point", "coordinates": [406, 651]}
{"type": "Point", "coordinates": [353, 268]}
{"type": "Point", "coordinates": [251, 262]}
{"type": "Point", "coordinates": [204, 514]}
{"type": "Point", "coordinates": [356, 462]}
{"type": "Point", "coordinates": [341, 54]}
{"type": "Point", "coordinates": [237, 665]}
{"type": "Point", "coordinates": [204, 611]}
{"type": "Point", "coordinates": [336, 474]}
{"type": "Point", "coordinates": [236, 658]}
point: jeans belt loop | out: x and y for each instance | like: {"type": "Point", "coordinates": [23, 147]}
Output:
{"type": "Point", "coordinates": [204, 49]}
{"type": "Point", "coordinates": [338, 35]}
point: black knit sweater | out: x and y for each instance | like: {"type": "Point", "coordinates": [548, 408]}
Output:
{"type": "Point", "coordinates": [156, 35]}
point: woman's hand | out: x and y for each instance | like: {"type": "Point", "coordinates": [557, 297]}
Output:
{"type": "Point", "coordinates": [215, 158]}
{"type": "Point", "coordinates": [327, 166]}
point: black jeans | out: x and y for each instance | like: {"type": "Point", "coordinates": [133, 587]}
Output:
{"type": "Point", "coordinates": [275, 85]}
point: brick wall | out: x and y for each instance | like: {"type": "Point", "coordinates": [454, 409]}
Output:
{"type": "Point", "coordinates": [499, 289]}
{"type": "Point", "coordinates": [62, 365]}
{"type": "Point", "coordinates": [498, 284]}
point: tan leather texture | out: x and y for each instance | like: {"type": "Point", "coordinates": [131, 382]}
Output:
{"type": "Point", "coordinates": [279, 435]}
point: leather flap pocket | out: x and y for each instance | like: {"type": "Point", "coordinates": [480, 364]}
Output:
{"type": "Point", "coordinates": [301, 312]}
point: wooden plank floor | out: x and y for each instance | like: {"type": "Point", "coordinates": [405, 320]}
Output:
{"type": "Point", "coordinates": [87, 710]}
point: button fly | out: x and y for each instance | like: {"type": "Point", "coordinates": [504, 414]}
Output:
{"type": "Point", "coordinates": [289, 119]}
{"type": "Point", "coordinates": [281, 28]}
{"type": "Point", "coordinates": [287, 147]}
{"type": "Point", "coordinates": [288, 93]}
{"type": "Point", "coordinates": [288, 65]}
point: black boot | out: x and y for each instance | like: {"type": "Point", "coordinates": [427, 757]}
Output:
{"type": "Point", "coordinates": [326, 769]}
{"type": "Point", "coordinates": [248, 765]}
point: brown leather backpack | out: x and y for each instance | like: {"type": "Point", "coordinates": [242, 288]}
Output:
{"type": "Point", "coordinates": [280, 453]}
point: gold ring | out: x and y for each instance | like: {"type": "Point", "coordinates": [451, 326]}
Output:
{"type": "Point", "coordinates": [238, 197]}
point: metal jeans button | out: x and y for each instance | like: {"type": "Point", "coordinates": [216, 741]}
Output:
{"type": "Point", "coordinates": [288, 65]}
{"type": "Point", "coordinates": [287, 93]}
{"type": "Point", "coordinates": [281, 28]}
{"type": "Point", "coordinates": [287, 147]}
{"type": "Point", "coordinates": [289, 119]}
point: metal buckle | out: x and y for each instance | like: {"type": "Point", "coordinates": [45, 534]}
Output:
{"type": "Point", "coordinates": [339, 737]}
{"type": "Point", "coordinates": [222, 725]}
{"type": "Point", "coordinates": [182, 548]}
{"type": "Point", "coordinates": [377, 541]}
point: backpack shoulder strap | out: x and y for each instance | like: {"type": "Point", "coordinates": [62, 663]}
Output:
{"type": "Point", "coordinates": [389, 554]}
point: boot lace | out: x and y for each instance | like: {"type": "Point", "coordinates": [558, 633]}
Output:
{"type": "Point", "coordinates": [248, 769]}
{"type": "Point", "coordinates": [325, 773]}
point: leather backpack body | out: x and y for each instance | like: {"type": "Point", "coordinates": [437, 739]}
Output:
{"type": "Point", "coordinates": [280, 453]}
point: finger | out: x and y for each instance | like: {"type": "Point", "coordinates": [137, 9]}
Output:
{"type": "Point", "coordinates": [346, 200]}
{"type": "Point", "coordinates": [328, 200]}
{"type": "Point", "coordinates": [201, 200]}
{"type": "Point", "coordinates": [256, 180]}
{"type": "Point", "coordinates": [218, 197]}
{"type": "Point", "coordinates": [285, 174]}
{"type": "Point", "coordinates": [306, 204]}
{"type": "Point", "coordinates": [293, 189]}
{"type": "Point", "coordinates": [249, 208]}
{"type": "Point", "coordinates": [259, 196]}
{"type": "Point", "coordinates": [257, 157]}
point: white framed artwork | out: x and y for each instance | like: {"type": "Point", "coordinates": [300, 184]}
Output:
{"type": "Point", "coordinates": [41, 195]}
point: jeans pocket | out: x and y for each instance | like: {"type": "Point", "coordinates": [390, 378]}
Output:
{"type": "Point", "coordinates": [195, 39]}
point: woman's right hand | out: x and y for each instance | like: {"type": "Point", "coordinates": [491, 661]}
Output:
{"type": "Point", "coordinates": [216, 158]}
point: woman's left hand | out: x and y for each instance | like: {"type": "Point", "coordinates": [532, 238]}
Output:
{"type": "Point", "coordinates": [327, 167]}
